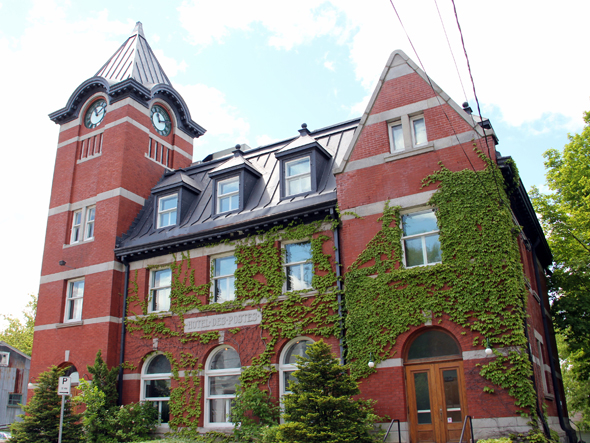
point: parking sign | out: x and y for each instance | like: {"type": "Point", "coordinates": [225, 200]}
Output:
{"type": "Point", "coordinates": [63, 387]}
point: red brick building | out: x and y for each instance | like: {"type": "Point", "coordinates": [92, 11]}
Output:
{"type": "Point", "coordinates": [236, 262]}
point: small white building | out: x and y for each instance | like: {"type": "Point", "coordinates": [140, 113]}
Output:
{"type": "Point", "coordinates": [14, 375]}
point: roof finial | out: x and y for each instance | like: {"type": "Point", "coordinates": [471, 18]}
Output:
{"type": "Point", "coordinates": [237, 151]}
{"type": "Point", "coordinates": [138, 29]}
{"type": "Point", "coordinates": [303, 131]}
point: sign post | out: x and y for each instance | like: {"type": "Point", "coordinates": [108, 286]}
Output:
{"type": "Point", "coordinates": [63, 389]}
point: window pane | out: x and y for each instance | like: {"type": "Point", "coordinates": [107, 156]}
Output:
{"type": "Point", "coordinates": [75, 309]}
{"type": "Point", "coordinates": [223, 384]}
{"type": "Point", "coordinates": [297, 167]}
{"type": "Point", "coordinates": [91, 214]}
{"type": "Point", "coordinates": [433, 254]}
{"type": "Point", "coordinates": [234, 202]}
{"type": "Point", "coordinates": [432, 344]}
{"type": "Point", "coordinates": [414, 255]}
{"type": "Point", "coordinates": [77, 289]}
{"type": "Point", "coordinates": [288, 377]}
{"type": "Point", "coordinates": [225, 204]}
{"type": "Point", "coordinates": [397, 135]}
{"type": "Point", "coordinates": [167, 203]}
{"type": "Point", "coordinates": [419, 223]}
{"type": "Point", "coordinates": [419, 131]}
{"type": "Point", "coordinates": [224, 289]}
{"type": "Point", "coordinates": [172, 218]}
{"type": "Point", "coordinates": [77, 217]}
{"type": "Point", "coordinates": [228, 358]}
{"type": "Point", "coordinates": [297, 252]}
{"type": "Point", "coordinates": [90, 230]}
{"type": "Point", "coordinates": [162, 278]}
{"type": "Point", "coordinates": [422, 398]}
{"type": "Point", "coordinates": [219, 410]}
{"type": "Point", "coordinates": [162, 299]}
{"type": "Point", "coordinates": [299, 277]}
{"type": "Point", "coordinates": [159, 365]}
{"type": "Point", "coordinates": [225, 266]}
{"type": "Point", "coordinates": [299, 348]}
{"type": "Point", "coordinates": [228, 186]}
{"type": "Point", "coordinates": [452, 396]}
{"type": "Point", "coordinates": [164, 411]}
{"type": "Point", "coordinates": [157, 388]}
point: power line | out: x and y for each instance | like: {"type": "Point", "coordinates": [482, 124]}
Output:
{"type": "Point", "coordinates": [438, 99]}
{"type": "Point", "coordinates": [451, 50]}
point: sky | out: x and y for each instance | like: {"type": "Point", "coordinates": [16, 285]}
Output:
{"type": "Point", "coordinates": [253, 72]}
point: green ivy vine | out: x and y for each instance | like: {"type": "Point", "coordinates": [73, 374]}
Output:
{"type": "Point", "coordinates": [259, 284]}
{"type": "Point", "coordinates": [479, 285]}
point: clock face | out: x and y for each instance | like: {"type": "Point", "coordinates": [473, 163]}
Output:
{"type": "Point", "coordinates": [161, 120]}
{"type": "Point", "coordinates": [95, 113]}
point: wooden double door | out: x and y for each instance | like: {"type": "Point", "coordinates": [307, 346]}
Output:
{"type": "Point", "coordinates": [436, 402]}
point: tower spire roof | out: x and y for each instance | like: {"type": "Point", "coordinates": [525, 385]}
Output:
{"type": "Point", "coordinates": [134, 59]}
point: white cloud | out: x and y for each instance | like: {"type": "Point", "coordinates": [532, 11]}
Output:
{"type": "Point", "coordinates": [225, 127]}
{"type": "Point", "coordinates": [264, 140]}
{"type": "Point", "coordinates": [170, 65]}
{"type": "Point", "coordinates": [329, 65]}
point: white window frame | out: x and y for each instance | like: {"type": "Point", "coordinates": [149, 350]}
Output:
{"type": "Point", "coordinates": [152, 306]}
{"type": "Point", "coordinates": [220, 196]}
{"type": "Point", "coordinates": [292, 264]}
{"type": "Point", "coordinates": [166, 211]}
{"type": "Point", "coordinates": [414, 141]}
{"type": "Point", "coordinates": [4, 359]}
{"type": "Point", "coordinates": [297, 177]}
{"type": "Point", "coordinates": [215, 373]}
{"type": "Point", "coordinates": [76, 234]}
{"type": "Point", "coordinates": [390, 126]}
{"type": "Point", "coordinates": [286, 367]}
{"type": "Point", "coordinates": [422, 235]}
{"type": "Point", "coordinates": [73, 300]}
{"type": "Point", "coordinates": [147, 377]}
{"type": "Point", "coordinates": [218, 278]}
{"type": "Point", "coordinates": [89, 225]}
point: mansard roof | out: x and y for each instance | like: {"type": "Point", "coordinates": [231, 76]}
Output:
{"type": "Point", "coordinates": [263, 209]}
{"type": "Point", "coordinates": [134, 59]}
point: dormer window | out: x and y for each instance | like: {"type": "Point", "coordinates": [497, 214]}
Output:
{"type": "Point", "coordinates": [167, 210]}
{"type": "Point", "coordinates": [298, 176]}
{"type": "Point", "coordinates": [228, 195]}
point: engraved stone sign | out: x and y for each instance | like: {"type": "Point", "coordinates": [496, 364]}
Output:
{"type": "Point", "coordinates": [222, 321]}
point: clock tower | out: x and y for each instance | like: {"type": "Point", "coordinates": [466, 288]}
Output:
{"type": "Point", "coordinates": [120, 131]}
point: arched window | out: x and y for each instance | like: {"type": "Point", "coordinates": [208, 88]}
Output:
{"type": "Point", "coordinates": [72, 372]}
{"type": "Point", "coordinates": [155, 384]}
{"type": "Point", "coordinates": [288, 359]}
{"type": "Point", "coordinates": [433, 345]}
{"type": "Point", "coordinates": [221, 377]}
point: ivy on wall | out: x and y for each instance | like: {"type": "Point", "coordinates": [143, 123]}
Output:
{"type": "Point", "coordinates": [260, 278]}
{"type": "Point", "coordinates": [479, 285]}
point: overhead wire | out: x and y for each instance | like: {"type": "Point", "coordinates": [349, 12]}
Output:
{"type": "Point", "coordinates": [438, 99]}
{"type": "Point", "coordinates": [475, 95]}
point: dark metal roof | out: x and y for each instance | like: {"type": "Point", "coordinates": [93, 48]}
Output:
{"type": "Point", "coordinates": [134, 59]}
{"type": "Point", "coordinates": [263, 208]}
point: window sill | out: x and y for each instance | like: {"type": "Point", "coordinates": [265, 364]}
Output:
{"type": "Point", "coordinates": [83, 242]}
{"type": "Point", "coordinates": [69, 324]}
{"type": "Point", "coordinates": [422, 266]}
{"type": "Point", "coordinates": [85, 159]}
{"type": "Point", "coordinates": [549, 396]}
{"type": "Point", "coordinates": [410, 152]}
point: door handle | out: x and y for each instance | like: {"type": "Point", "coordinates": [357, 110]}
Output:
{"type": "Point", "coordinates": [440, 412]}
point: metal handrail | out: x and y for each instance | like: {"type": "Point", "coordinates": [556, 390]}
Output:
{"type": "Point", "coordinates": [399, 430]}
{"type": "Point", "coordinates": [470, 426]}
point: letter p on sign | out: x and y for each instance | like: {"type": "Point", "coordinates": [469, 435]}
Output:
{"type": "Point", "coordinates": [63, 387]}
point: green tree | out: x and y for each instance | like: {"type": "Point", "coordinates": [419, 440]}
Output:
{"type": "Point", "coordinates": [16, 333]}
{"type": "Point", "coordinates": [565, 215]}
{"type": "Point", "coordinates": [252, 411]}
{"type": "Point", "coordinates": [103, 420]}
{"type": "Point", "coordinates": [576, 391]}
{"type": "Point", "coordinates": [321, 407]}
{"type": "Point", "coordinates": [41, 422]}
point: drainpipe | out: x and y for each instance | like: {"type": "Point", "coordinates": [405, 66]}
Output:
{"type": "Point", "coordinates": [122, 356]}
{"type": "Point", "coordinates": [340, 288]}
{"type": "Point", "coordinates": [571, 434]}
